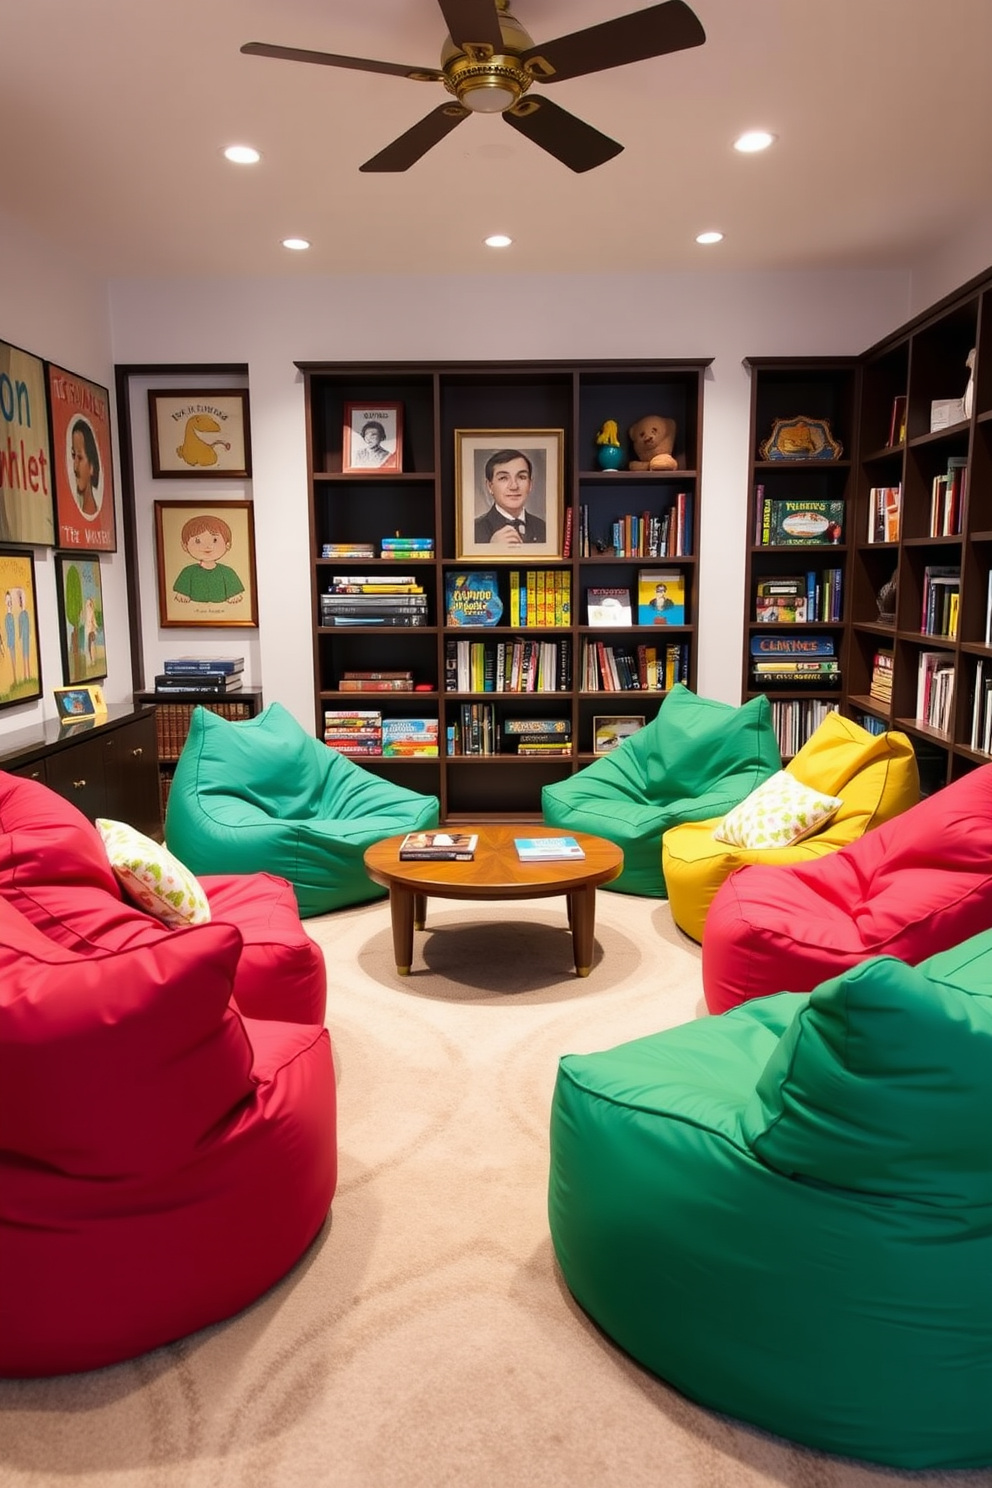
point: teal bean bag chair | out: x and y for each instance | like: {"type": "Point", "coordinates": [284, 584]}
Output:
{"type": "Point", "coordinates": [264, 796]}
{"type": "Point", "coordinates": [697, 758]}
{"type": "Point", "coordinates": [786, 1211]}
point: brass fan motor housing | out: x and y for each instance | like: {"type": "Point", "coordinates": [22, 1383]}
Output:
{"type": "Point", "coordinates": [463, 75]}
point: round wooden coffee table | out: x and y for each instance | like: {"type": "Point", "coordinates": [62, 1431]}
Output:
{"type": "Point", "coordinates": [494, 873]}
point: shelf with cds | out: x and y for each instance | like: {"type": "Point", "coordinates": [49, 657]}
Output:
{"type": "Point", "coordinates": [430, 599]}
{"type": "Point", "coordinates": [800, 514]}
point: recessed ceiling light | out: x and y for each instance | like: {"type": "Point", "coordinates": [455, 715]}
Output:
{"type": "Point", "coordinates": [242, 155]}
{"type": "Point", "coordinates": [709, 237]}
{"type": "Point", "coordinates": [754, 140]}
{"type": "Point", "coordinates": [498, 240]}
{"type": "Point", "coordinates": [297, 244]}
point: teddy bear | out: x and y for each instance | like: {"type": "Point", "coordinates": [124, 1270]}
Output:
{"type": "Point", "coordinates": [653, 438]}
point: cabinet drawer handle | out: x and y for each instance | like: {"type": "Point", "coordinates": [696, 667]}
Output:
{"type": "Point", "coordinates": [137, 753]}
{"type": "Point", "coordinates": [79, 784]}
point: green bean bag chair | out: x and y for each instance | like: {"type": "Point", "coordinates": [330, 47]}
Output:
{"type": "Point", "coordinates": [264, 796]}
{"type": "Point", "coordinates": [786, 1211]}
{"type": "Point", "coordinates": [696, 758]}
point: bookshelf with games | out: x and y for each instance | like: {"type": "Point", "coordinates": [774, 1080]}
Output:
{"type": "Point", "coordinates": [800, 515]}
{"type": "Point", "coordinates": [515, 678]}
{"type": "Point", "coordinates": [933, 651]}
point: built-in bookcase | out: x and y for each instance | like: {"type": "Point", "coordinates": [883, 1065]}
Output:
{"type": "Point", "coordinates": [610, 520]}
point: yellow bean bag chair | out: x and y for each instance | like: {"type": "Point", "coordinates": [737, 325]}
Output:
{"type": "Point", "coordinates": [874, 775]}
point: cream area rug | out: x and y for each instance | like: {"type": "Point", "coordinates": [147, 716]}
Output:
{"type": "Point", "coordinates": [426, 1339]}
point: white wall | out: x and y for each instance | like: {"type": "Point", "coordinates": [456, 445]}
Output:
{"type": "Point", "coordinates": [48, 307]}
{"type": "Point", "coordinates": [964, 255]}
{"type": "Point", "coordinates": [272, 324]}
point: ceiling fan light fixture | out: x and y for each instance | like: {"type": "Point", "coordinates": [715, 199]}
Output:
{"type": "Point", "coordinates": [753, 141]}
{"type": "Point", "coordinates": [485, 97]}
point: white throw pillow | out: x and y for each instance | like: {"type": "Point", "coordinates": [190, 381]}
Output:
{"type": "Point", "coordinates": [155, 880]}
{"type": "Point", "coordinates": [776, 814]}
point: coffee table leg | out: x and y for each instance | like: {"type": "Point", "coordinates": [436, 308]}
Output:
{"type": "Point", "coordinates": [419, 911]}
{"type": "Point", "coordinates": [401, 906]}
{"type": "Point", "coordinates": [582, 915]}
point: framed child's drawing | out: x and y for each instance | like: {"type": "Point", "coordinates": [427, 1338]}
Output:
{"type": "Point", "coordinates": [82, 635]}
{"type": "Point", "coordinates": [82, 463]}
{"type": "Point", "coordinates": [200, 432]}
{"type": "Point", "coordinates": [205, 554]}
{"type": "Point", "coordinates": [20, 662]}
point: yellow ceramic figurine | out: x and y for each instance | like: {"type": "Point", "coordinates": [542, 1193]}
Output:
{"type": "Point", "coordinates": [608, 434]}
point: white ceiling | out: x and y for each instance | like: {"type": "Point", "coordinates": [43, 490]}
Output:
{"type": "Point", "coordinates": [114, 114]}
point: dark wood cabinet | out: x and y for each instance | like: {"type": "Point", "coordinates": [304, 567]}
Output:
{"type": "Point", "coordinates": [105, 768]}
{"type": "Point", "coordinates": [606, 512]}
{"type": "Point", "coordinates": [172, 716]}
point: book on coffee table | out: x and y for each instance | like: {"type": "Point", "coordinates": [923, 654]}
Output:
{"type": "Point", "coordinates": [438, 847]}
{"type": "Point", "coordinates": [547, 849]}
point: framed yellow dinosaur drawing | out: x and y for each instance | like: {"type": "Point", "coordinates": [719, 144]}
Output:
{"type": "Point", "coordinates": [203, 433]}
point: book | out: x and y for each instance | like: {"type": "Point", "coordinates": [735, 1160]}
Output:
{"type": "Point", "coordinates": [471, 597]}
{"type": "Point", "coordinates": [414, 544]}
{"type": "Point", "coordinates": [608, 606]}
{"type": "Point", "coordinates": [439, 847]}
{"type": "Point", "coordinates": [767, 647]}
{"type": "Point", "coordinates": [375, 684]}
{"type": "Point", "coordinates": [790, 523]}
{"type": "Point", "coordinates": [183, 665]}
{"type": "Point", "coordinates": [660, 596]}
{"type": "Point", "coordinates": [410, 736]}
{"type": "Point", "coordinates": [537, 726]}
{"type": "Point", "coordinates": [547, 849]}
{"type": "Point", "coordinates": [782, 600]}
{"type": "Point", "coordinates": [201, 682]}
{"type": "Point", "coordinates": [897, 423]}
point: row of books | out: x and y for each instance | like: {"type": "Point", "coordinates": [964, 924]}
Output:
{"type": "Point", "coordinates": [666, 534]}
{"type": "Point", "coordinates": [947, 493]}
{"type": "Point", "coordinates": [521, 664]}
{"type": "Point", "coordinates": [412, 549]}
{"type": "Point", "coordinates": [880, 687]}
{"type": "Point", "coordinates": [534, 597]}
{"type": "Point", "coordinates": [376, 681]}
{"type": "Point", "coordinates": [795, 719]}
{"type": "Point", "coordinates": [790, 599]}
{"type": "Point", "coordinates": [644, 668]}
{"type": "Point", "coordinates": [781, 523]}
{"type": "Point", "coordinates": [935, 689]}
{"type": "Point", "coordinates": [364, 731]}
{"type": "Point", "coordinates": [941, 599]}
{"type": "Point", "coordinates": [981, 709]}
{"type": "Point", "coordinates": [172, 723]}
{"type": "Point", "coordinates": [194, 674]}
{"type": "Point", "coordinates": [373, 609]}
{"type": "Point", "coordinates": [884, 513]}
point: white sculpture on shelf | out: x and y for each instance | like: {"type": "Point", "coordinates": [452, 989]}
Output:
{"type": "Point", "coordinates": [969, 392]}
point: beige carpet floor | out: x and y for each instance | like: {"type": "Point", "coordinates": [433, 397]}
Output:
{"type": "Point", "coordinates": [427, 1339]}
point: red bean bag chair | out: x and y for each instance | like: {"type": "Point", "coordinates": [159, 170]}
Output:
{"type": "Point", "coordinates": [918, 884]}
{"type": "Point", "coordinates": [54, 869]}
{"type": "Point", "coordinates": [163, 1160]}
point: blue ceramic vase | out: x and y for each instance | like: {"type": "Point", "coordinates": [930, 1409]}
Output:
{"type": "Point", "coordinates": [610, 456]}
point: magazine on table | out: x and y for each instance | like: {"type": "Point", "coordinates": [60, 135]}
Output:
{"type": "Point", "coordinates": [547, 849]}
{"type": "Point", "coordinates": [441, 847]}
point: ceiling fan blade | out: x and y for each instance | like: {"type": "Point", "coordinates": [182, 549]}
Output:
{"type": "Point", "coordinates": [670, 27]}
{"type": "Point", "coordinates": [329, 59]}
{"type": "Point", "coordinates": [472, 21]}
{"type": "Point", "coordinates": [407, 150]}
{"type": "Point", "coordinates": [570, 140]}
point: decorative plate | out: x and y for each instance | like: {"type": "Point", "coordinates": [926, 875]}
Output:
{"type": "Point", "coordinates": [801, 439]}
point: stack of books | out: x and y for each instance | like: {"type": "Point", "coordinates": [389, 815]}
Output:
{"type": "Point", "coordinates": [347, 550]}
{"type": "Point", "coordinates": [438, 847]}
{"type": "Point", "coordinates": [210, 674]}
{"type": "Point", "coordinates": [366, 600]}
{"type": "Point", "coordinates": [538, 736]}
{"type": "Point", "coordinates": [794, 661]}
{"type": "Point", "coordinates": [410, 549]}
{"type": "Point", "coordinates": [407, 738]}
{"type": "Point", "coordinates": [353, 731]}
{"type": "Point", "coordinates": [881, 677]}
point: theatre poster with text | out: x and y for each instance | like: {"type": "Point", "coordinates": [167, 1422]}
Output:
{"type": "Point", "coordinates": [83, 463]}
{"type": "Point", "coordinates": [25, 462]}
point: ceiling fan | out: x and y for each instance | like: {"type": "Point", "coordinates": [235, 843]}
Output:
{"type": "Point", "coordinates": [488, 62]}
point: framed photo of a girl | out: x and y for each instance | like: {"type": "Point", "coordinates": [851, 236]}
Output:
{"type": "Point", "coordinates": [205, 552]}
{"type": "Point", "coordinates": [372, 438]}
{"type": "Point", "coordinates": [82, 463]}
{"type": "Point", "coordinates": [20, 661]}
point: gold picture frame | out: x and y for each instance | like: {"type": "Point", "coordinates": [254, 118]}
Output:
{"type": "Point", "coordinates": [531, 458]}
{"type": "Point", "coordinates": [205, 558]}
{"type": "Point", "coordinates": [79, 702]}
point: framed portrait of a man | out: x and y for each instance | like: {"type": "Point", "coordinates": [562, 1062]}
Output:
{"type": "Point", "coordinates": [509, 493]}
{"type": "Point", "coordinates": [372, 438]}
